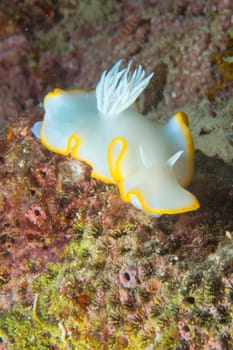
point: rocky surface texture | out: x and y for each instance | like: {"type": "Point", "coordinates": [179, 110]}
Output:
{"type": "Point", "coordinates": [80, 269]}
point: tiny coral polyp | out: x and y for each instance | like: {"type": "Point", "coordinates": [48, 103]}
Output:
{"type": "Point", "coordinates": [149, 162]}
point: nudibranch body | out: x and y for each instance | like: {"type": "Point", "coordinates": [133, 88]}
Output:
{"type": "Point", "coordinates": [150, 163]}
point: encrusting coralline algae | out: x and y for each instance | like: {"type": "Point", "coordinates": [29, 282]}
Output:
{"type": "Point", "coordinates": [79, 267]}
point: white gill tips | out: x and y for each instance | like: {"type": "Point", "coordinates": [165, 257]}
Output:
{"type": "Point", "coordinates": [171, 161]}
{"type": "Point", "coordinates": [118, 89]}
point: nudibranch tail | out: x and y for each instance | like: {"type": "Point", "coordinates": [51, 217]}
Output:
{"type": "Point", "coordinates": [118, 89]}
{"type": "Point", "coordinates": [162, 196]}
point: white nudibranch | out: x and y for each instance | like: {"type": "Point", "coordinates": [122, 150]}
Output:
{"type": "Point", "coordinates": [150, 163]}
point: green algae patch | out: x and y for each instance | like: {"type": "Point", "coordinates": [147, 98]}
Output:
{"type": "Point", "coordinates": [18, 330]}
{"type": "Point", "coordinates": [111, 293]}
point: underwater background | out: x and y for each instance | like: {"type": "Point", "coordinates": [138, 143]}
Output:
{"type": "Point", "coordinates": [79, 268]}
